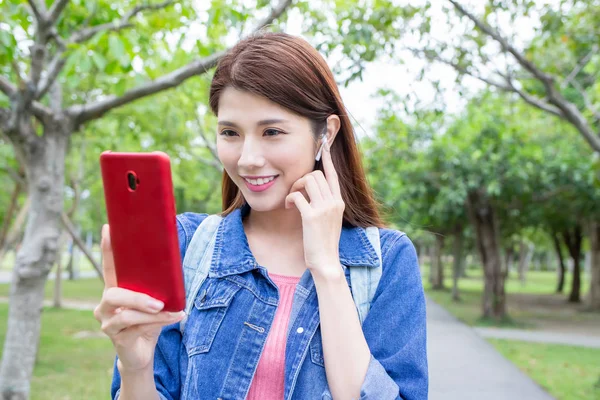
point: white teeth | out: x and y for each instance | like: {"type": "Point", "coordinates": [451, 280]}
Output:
{"type": "Point", "coordinates": [260, 181]}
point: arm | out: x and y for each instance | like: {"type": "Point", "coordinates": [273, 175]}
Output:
{"type": "Point", "coordinates": [345, 350]}
{"type": "Point", "coordinates": [160, 382]}
{"type": "Point", "coordinates": [163, 381]}
{"type": "Point", "coordinates": [396, 326]}
{"type": "Point", "coordinates": [387, 358]}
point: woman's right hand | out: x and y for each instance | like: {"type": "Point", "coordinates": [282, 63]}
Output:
{"type": "Point", "coordinates": [132, 320]}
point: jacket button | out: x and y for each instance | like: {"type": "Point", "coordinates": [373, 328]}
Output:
{"type": "Point", "coordinates": [300, 330]}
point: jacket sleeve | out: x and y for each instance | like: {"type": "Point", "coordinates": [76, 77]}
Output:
{"type": "Point", "coordinates": [168, 352]}
{"type": "Point", "coordinates": [166, 365]}
{"type": "Point", "coordinates": [395, 328]}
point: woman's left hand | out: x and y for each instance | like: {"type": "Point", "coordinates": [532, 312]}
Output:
{"type": "Point", "coordinates": [321, 218]}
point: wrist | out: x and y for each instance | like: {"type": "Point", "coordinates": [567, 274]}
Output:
{"type": "Point", "coordinates": [134, 372]}
{"type": "Point", "coordinates": [137, 383]}
{"type": "Point", "coordinates": [330, 274]}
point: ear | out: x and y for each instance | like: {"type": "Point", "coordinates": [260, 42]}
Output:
{"type": "Point", "coordinates": [333, 127]}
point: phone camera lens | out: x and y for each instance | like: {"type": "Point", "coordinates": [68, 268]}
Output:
{"type": "Point", "coordinates": [132, 180]}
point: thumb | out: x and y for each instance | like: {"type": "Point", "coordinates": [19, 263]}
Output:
{"type": "Point", "coordinates": [108, 262]}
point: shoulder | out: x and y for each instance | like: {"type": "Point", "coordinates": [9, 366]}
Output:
{"type": "Point", "coordinates": [187, 223]}
{"type": "Point", "coordinates": [396, 244]}
{"type": "Point", "coordinates": [399, 257]}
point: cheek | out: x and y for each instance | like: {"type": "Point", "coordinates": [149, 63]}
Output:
{"type": "Point", "coordinates": [227, 154]}
{"type": "Point", "coordinates": [297, 159]}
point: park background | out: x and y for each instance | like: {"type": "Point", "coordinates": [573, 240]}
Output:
{"type": "Point", "coordinates": [479, 126]}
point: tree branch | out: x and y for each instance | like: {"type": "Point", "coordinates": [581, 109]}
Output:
{"type": "Point", "coordinates": [568, 109]}
{"type": "Point", "coordinates": [533, 100]}
{"type": "Point", "coordinates": [580, 65]}
{"type": "Point", "coordinates": [215, 162]}
{"type": "Point", "coordinates": [82, 114]}
{"type": "Point", "coordinates": [7, 87]}
{"type": "Point", "coordinates": [588, 102]}
{"type": "Point", "coordinates": [37, 13]}
{"type": "Point", "coordinates": [4, 117]}
{"type": "Point", "coordinates": [55, 10]}
{"type": "Point", "coordinates": [87, 33]}
{"type": "Point", "coordinates": [506, 86]}
{"type": "Point", "coordinates": [525, 63]}
{"type": "Point", "coordinates": [54, 68]}
{"type": "Point", "coordinates": [69, 226]}
{"type": "Point", "coordinates": [15, 175]}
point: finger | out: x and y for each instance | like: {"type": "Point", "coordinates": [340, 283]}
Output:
{"type": "Point", "coordinates": [108, 261]}
{"type": "Point", "coordinates": [116, 297]}
{"type": "Point", "coordinates": [313, 190]}
{"type": "Point", "coordinates": [139, 330]}
{"type": "Point", "coordinates": [129, 318]}
{"type": "Point", "coordinates": [300, 186]}
{"type": "Point", "coordinates": [330, 172]}
{"type": "Point", "coordinates": [323, 184]}
{"type": "Point", "coordinates": [299, 201]}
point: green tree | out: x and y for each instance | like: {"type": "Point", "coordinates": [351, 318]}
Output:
{"type": "Point", "coordinates": [63, 66]}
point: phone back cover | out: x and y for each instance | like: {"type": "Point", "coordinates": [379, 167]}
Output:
{"type": "Point", "coordinates": [143, 226]}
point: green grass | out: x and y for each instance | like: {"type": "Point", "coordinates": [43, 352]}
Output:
{"type": "Point", "coordinates": [566, 372]}
{"type": "Point", "coordinates": [539, 285]}
{"type": "Point", "coordinates": [69, 368]}
{"type": "Point", "coordinates": [89, 289]}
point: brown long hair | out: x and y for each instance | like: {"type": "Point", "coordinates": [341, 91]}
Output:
{"type": "Point", "coordinates": [288, 71]}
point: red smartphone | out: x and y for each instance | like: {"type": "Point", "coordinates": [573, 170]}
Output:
{"type": "Point", "coordinates": [140, 204]}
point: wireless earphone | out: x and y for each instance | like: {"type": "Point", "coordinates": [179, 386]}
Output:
{"type": "Point", "coordinates": [323, 141]}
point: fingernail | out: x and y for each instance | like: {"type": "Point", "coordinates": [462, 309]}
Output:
{"type": "Point", "coordinates": [176, 315]}
{"type": "Point", "coordinates": [156, 305]}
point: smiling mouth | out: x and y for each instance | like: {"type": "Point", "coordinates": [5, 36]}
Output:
{"type": "Point", "coordinates": [259, 185]}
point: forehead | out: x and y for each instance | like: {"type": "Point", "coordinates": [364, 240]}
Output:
{"type": "Point", "coordinates": [245, 107]}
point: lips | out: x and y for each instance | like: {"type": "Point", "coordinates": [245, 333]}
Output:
{"type": "Point", "coordinates": [259, 187]}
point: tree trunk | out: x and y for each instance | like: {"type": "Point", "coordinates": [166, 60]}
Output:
{"type": "Point", "coordinates": [458, 262]}
{"type": "Point", "coordinates": [58, 277]}
{"type": "Point", "coordinates": [525, 254]}
{"type": "Point", "coordinates": [485, 226]}
{"type": "Point", "coordinates": [509, 253]}
{"type": "Point", "coordinates": [44, 163]}
{"type": "Point", "coordinates": [561, 263]}
{"type": "Point", "coordinates": [438, 265]}
{"type": "Point", "coordinates": [12, 208]}
{"type": "Point", "coordinates": [594, 295]}
{"type": "Point", "coordinates": [573, 241]}
{"type": "Point", "coordinates": [16, 231]}
{"type": "Point", "coordinates": [431, 254]}
{"type": "Point", "coordinates": [70, 263]}
{"type": "Point", "coordinates": [57, 302]}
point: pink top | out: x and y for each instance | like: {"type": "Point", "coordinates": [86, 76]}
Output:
{"type": "Point", "coordinates": [267, 383]}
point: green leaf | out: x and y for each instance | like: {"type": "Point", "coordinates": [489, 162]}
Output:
{"type": "Point", "coordinates": [99, 61]}
{"type": "Point", "coordinates": [116, 46]}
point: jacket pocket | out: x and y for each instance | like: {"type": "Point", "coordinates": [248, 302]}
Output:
{"type": "Point", "coordinates": [316, 349]}
{"type": "Point", "coordinates": [210, 308]}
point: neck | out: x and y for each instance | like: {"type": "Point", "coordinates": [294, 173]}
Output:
{"type": "Point", "coordinates": [280, 222]}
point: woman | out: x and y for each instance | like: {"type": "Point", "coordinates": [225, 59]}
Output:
{"type": "Point", "coordinates": [276, 318]}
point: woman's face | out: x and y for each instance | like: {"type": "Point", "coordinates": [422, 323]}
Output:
{"type": "Point", "coordinates": [263, 147]}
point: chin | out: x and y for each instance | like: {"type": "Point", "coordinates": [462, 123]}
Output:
{"type": "Point", "coordinates": [264, 203]}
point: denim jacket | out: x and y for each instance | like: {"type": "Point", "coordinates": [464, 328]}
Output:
{"type": "Point", "coordinates": [218, 353]}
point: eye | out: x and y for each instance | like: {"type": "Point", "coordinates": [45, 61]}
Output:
{"type": "Point", "coordinates": [273, 132]}
{"type": "Point", "coordinates": [227, 133]}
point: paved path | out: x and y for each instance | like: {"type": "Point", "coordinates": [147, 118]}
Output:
{"type": "Point", "coordinates": [570, 339]}
{"type": "Point", "coordinates": [6, 275]}
{"type": "Point", "coordinates": [463, 366]}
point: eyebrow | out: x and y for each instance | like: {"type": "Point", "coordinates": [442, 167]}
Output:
{"type": "Point", "coordinates": [260, 123]}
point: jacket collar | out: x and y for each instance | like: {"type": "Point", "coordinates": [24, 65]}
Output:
{"type": "Point", "coordinates": [355, 249]}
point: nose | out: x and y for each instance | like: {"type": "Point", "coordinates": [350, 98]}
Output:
{"type": "Point", "coordinates": [252, 156]}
